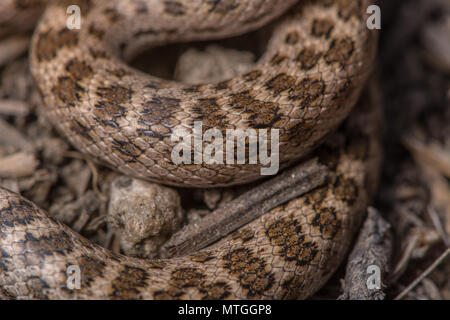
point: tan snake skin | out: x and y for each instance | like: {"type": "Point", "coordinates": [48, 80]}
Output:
{"type": "Point", "coordinates": [310, 77]}
{"type": "Point", "coordinates": [305, 84]}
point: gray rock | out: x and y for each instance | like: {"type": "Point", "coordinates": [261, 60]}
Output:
{"type": "Point", "coordinates": [143, 214]}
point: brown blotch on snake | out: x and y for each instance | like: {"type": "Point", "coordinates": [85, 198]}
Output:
{"type": "Point", "coordinates": [284, 234]}
{"type": "Point", "coordinates": [51, 42]}
{"type": "Point", "coordinates": [322, 27]}
{"type": "Point", "coordinates": [68, 90]}
{"type": "Point", "coordinates": [174, 8]}
{"type": "Point", "coordinates": [253, 75]}
{"type": "Point", "coordinates": [292, 38]}
{"type": "Point", "coordinates": [250, 270]}
{"type": "Point", "coordinates": [27, 4]}
{"type": "Point", "coordinates": [340, 51]}
{"type": "Point", "coordinates": [308, 92]}
{"type": "Point", "coordinates": [79, 70]}
{"type": "Point", "coordinates": [308, 58]}
{"type": "Point", "coordinates": [327, 223]}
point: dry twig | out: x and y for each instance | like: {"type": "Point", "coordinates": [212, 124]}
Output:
{"type": "Point", "coordinates": [425, 274]}
{"type": "Point", "coordinates": [371, 253]}
{"type": "Point", "coordinates": [244, 209]}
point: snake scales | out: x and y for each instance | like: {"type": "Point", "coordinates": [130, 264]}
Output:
{"type": "Point", "coordinates": [306, 83]}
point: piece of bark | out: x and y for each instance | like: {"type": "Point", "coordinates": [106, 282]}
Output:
{"type": "Point", "coordinates": [246, 208]}
{"type": "Point", "coordinates": [12, 48]}
{"type": "Point", "coordinates": [77, 213]}
{"type": "Point", "coordinates": [213, 64]}
{"type": "Point", "coordinates": [77, 176]}
{"type": "Point", "coordinates": [211, 198]}
{"type": "Point", "coordinates": [144, 214]}
{"type": "Point", "coordinates": [12, 137]}
{"type": "Point", "coordinates": [10, 184]}
{"type": "Point", "coordinates": [370, 258]}
{"type": "Point", "coordinates": [18, 165]}
{"type": "Point", "coordinates": [16, 108]}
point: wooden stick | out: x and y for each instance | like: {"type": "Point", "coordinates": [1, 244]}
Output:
{"type": "Point", "coordinates": [246, 208]}
{"type": "Point", "coordinates": [425, 274]}
{"type": "Point", "coordinates": [373, 249]}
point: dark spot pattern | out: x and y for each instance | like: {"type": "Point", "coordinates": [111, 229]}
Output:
{"type": "Point", "coordinates": [91, 269]}
{"type": "Point", "coordinates": [98, 54]}
{"type": "Point", "coordinates": [292, 38]}
{"type": "Point", "coordinates": [222, 7]}
{"type": "Point", "coordinates": [78, 69]}
{"type": "Point", "coordinates": [112, 101]}
{"type": "Point", "coordinates": [308, 58]}
{"type": "Point", "coordinates": [210, 113]}
{"type": "Point", "coordinates": [343, 91]}
{"type": "Point", "coordinates": [250, 269]}
{"type": "Point", "coordinates": [126, 286]}
{"type": "Point", "coordinates": [112, 15]}
{"type": "Point", "coordinates": [340, 51]}
{"type": "Point", "coordinates": [158, 110]}
{"type": "Point", "coordinates": [327, 223]}
{"type": "Point", "coordinates": [28, 4]}
{"type": "Point", "coordinates": [322, 28]}
{"type": "Point", "coordinates": [51, 42]}
{"type": "Point", "coordinates": [67, 90]}
{"type": "Point", "coordinates": [252, 75]}
{"type": "Point", "coordinates": [349, 8]}
{"type": "Point", "coordinates": [261, 114]}
{"type": "Point", "coordinates": [192, 89]}
{"type": "Point", "coordinates": [298, 128]}
{"type": "Point", "coordinates": [223, 85]}
{"type": "Point", "coordinates": [280, 83]}
{"type": "Point", "coordinates": [278, 59]}
{"type": "Point", "coordinates": [308, 92]}
{"type": "Point", "coordinates": [19, 211]}
{"type": "Point", "coordinates": [174, 8]}
{"type": "Point", "coordinates": [185, 278]}
{"type": "Point", "coordinates": [96, 32]}
{"type": "Point", "coordinates": [119, 73]}
{"type": "Point", "coordinates": [294, 246]}
{"type": "Point", "coordinates": [202, 256]}
{"type": "Point", "coordinates": [346, 190]}
{"type": "Point", "coordinates": [243, 235]}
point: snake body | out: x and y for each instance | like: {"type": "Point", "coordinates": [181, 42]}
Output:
{"type": "Point", "coordinates": [305, 85]}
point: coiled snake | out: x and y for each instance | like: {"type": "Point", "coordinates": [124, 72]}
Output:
{"type": "Point", "coordinates": [306, 83]}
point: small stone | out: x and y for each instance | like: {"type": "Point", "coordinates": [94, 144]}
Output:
{"type": "Point", "coordinates": [211, 197]}
{"type": "Point", "coordinates": [21, 164]}
{"type": "Point", "coordinates": [227, 195]}
{"type": "Point", "coordinates": [143, 214]}
{"type": "Point", "coordinates": [76, 213]}
{"type": "Point", "coordinates": [214, 64]}
{"type": "Point", "coordinates": [195, 215]}
{"type": "Point", "coordinates": [77, 176]}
